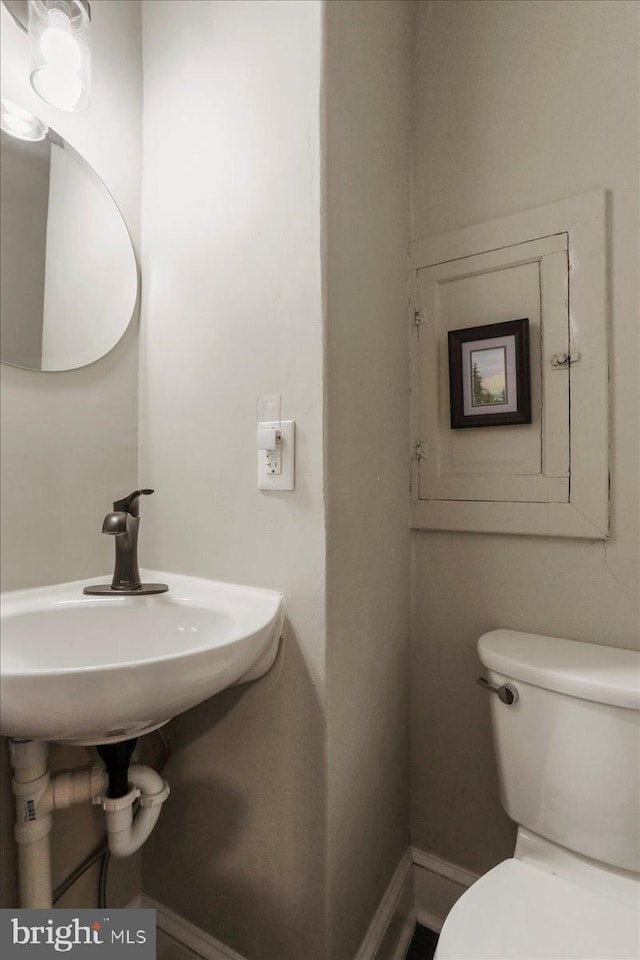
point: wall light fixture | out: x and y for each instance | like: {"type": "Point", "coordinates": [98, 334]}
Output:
{"type": "Point", "coordinates": [59, 50]}
{"type": "Point", "coordinates": [19, 123]}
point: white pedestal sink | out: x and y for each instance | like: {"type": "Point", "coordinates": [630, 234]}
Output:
{"type": "Point", "coordinates": [93, 670]}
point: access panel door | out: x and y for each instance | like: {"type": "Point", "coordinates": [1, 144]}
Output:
{"type": "Point", "coordinates": [550, 476]}
{"type": "Point", "coordinates": [523, 462]}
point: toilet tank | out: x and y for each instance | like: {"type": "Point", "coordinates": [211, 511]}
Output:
{"type": "Point", "coordinates": [568, 749]}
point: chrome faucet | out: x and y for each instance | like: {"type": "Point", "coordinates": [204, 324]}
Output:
{"type": "Point", "coordinates": [123, 523]}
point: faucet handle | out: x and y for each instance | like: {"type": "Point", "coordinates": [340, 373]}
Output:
{"type": "Point", "coordinates": [130, 504]}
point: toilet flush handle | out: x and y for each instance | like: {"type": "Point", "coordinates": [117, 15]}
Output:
{"type": "Point", "coordinates": [507, 692]}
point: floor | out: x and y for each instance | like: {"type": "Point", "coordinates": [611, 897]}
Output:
{"type": "Point", "coordinates": [423, 944]}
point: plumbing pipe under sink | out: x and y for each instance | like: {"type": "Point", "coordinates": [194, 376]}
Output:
{"type": "Point", "coordinates": [38, 794]}
{"type": "Point", "coordinates": [126, 834]}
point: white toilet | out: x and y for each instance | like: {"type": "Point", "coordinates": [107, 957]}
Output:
{"type": "Point", "coordinates": [568, 752]}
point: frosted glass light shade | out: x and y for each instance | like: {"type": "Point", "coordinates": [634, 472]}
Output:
{"type": "Point", "coordinates": [20, 123]}
{"type": "Point", "coordinates": [60, 54]}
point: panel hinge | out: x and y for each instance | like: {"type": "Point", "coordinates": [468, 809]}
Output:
{"type": "Point", "coordinates": [417, 318]}
{"type": "Point", "coordinates": [417, 451]}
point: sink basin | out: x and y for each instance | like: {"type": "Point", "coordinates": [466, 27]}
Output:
{"type": "Point", "coordinates": [91, 670]}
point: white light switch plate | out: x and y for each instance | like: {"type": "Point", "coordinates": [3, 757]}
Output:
{"type": "Point", "coordinates": [286, 479]}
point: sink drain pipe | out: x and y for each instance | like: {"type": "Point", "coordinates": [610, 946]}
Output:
{"type": "Point", "coordinates": [126, 784]}
{"type": "Point", "coordinates": [38, 794]}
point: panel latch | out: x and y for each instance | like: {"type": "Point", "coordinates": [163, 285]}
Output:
{"type": "Point", "coordinates": [562, 361]}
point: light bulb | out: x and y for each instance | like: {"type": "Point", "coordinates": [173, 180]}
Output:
{"type": "Point", "coordinates": [20, 123]}
{"type": "Point", "coordinates": [61, 90]}
{"type": "Point", "coordinates": [58, 45]}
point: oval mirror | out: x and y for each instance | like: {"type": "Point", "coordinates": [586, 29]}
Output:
{"type": "Point", "coordinates": [69, 277]}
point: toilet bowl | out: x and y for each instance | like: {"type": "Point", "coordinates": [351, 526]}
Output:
{"type": "Point", "coordinates": [568, 753]}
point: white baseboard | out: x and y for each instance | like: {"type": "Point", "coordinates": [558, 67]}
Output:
{"type": "Point", "coordinates": [437, 884]}
{"type": "Point", "coordinates": [405, 938]}
{"type": "Point", "coordinates": [423, 887]}
{"type": "Point", "coordinates": [391, 902]}
{"type": "Point", "coordinates": [190, 936]}
{"type": "Point", "coordinates": [443, 867]}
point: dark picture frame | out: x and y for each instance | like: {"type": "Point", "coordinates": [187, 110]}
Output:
{"type": "Point", "coordinates": [490, 375]}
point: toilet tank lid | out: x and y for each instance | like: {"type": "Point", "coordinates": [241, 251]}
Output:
{"type": "Point", "coordinates": [589, 671]}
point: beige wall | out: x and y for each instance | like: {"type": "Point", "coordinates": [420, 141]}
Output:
{"type": "Point", "coordinates": [231, 310]}
{"type": "Point", "coordinates": [69, 439]}
{"type": "Point", "coordinates": [520, 104]}
{"type": "Point", "coordinates": [367, 73]}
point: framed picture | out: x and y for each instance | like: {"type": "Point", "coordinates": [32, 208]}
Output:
{"type": "Point", "coordinates": [489, 375]}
